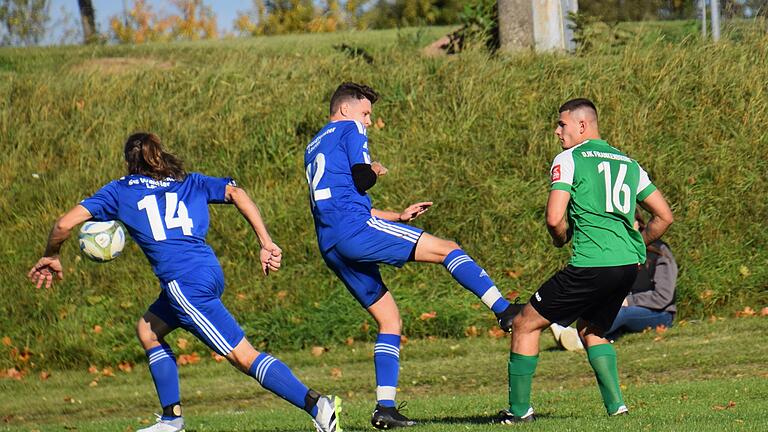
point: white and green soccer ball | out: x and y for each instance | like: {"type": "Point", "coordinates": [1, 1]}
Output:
{"type": "Point", "coordinates": [102, 241]}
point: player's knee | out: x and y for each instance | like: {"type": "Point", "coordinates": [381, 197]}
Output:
{"type": "Point", "coordinates": [144, 333]}
{"type": "Point", "coordinates": [391, 326]}
{"type": "Point", "coordinates": [445, 247]}
{"type": "Point", "coordinates": [520, 324]}
{"type": "Point", "coordinates": [243, 356]}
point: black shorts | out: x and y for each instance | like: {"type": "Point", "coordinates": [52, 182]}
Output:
{"type": "Point", "coordinates": [594, 294]}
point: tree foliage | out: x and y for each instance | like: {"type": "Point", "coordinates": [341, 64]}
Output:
{"type": "Point", "coordinates": [297, 16]}
{"type": "Point", "coordinates": [23, 22]}
{"type": "Point", "coordinates": [193, 21]}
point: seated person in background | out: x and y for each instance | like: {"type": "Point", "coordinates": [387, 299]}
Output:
{"type": "Point", "coordinates": [651, 300]}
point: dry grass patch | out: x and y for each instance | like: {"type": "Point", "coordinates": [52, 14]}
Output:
{"type": "Point", "coordinates": [118, 65]}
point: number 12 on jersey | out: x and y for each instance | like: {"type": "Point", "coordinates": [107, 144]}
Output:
{"type": "Point", "coordinates": [313, 179]}
{"type": "Point", "coordinates": [172, 206]}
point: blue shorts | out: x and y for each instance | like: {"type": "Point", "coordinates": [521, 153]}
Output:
{"type": "Point", "coordinates": [193, 302]}
{"type": "Point", "coordinates": [355, 259]}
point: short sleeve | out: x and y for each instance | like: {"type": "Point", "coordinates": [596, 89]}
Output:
{"type": "Point", "coordinates": [644, 185]}
{"type": "Point", "coordinates": [214, 188]}
{"type": "Point", "coordinates": [561, 173]}
{"type": "Point", "coordinates": [356, 145]}
{"type": "Point", "coordinates": [103, 205]}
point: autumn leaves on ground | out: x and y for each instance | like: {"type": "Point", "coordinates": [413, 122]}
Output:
{"type": "Point", "coordinates": [697, 376]}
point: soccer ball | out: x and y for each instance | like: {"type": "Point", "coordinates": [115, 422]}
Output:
{"type": "Point", "coordinates": [102, 241]}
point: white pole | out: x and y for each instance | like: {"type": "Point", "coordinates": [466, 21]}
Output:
{"type": "Point", "coordinates": [715, 10]}
{"type": "Point", "coordinates": [703, 7]}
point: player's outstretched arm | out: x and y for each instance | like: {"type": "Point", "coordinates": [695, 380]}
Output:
{"type": "Point", "coordinates": [661, 217]}
{"type": "Point", "coordinates": [270, 254]}
{"type": "Point", "coordinates": [557, 206]}
{"type": "Point", "coordinates": [412, 212]}
{"type": "Point", "coordinates": [49, 264]}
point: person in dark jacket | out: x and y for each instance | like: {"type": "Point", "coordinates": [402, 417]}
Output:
{"type": "Point", "coordinates": [651, 300]}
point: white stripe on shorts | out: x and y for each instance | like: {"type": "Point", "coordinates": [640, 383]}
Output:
{"type": "Point", "coordinates": [199, 319]}
{"type": "Point", "coordinates": [394, 230]}
{"type": "Point", "coordinates": [397, 227]}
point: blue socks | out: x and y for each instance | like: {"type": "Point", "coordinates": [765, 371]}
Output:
{"type": "Point", "coordinates": [386, 358]}
{"type": "Point", "coordinates": [472, 277]}
{"type": "Point", "coordinates": [165, 374]}
{"type": "Point", "coordinates": [276, 377]}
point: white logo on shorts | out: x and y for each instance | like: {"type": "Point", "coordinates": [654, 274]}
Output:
{"type": "Point", "coordinates": [483, 273]}
{"type": "Point", "coordinates": [538, 297]}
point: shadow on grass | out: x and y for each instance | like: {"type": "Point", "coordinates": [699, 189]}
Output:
{"type": "Point", "coordinates": [476, 419]}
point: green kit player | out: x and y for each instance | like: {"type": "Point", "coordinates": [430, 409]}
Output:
{"type": "Point", "coordinates": [595, 188]}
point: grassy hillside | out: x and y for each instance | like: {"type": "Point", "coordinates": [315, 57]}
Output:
{"type": "Point", "coordinates": [473, 133]}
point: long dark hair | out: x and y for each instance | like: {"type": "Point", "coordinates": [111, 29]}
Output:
{"type": "Point", "coordinates": [144, 155]}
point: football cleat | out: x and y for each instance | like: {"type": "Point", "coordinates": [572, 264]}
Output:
{"type": "Point", "coordinates": [506, 417]}
{"type": "Point", "coordinates": [570, 340]}
{"type": "Point", "coordinates": [175, 425]}
{"type": "Point", "coordinates": [390, 417]}
{"type": "Point", "coordinates": [507, 316]}
{"type": "Point", "coordinates": [328, 410]}
{"type": "Point", "coordinates": [622, 410]}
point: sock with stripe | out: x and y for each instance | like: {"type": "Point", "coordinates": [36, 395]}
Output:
{"type": "Point", "coordinates": [165, 374]}
{"type": "Point", "coordinates": [520, 369]}
{"type": "Point", "coordinates": [472, 277]}
{"type": "Point", "coordinates": [276, 377]}
{"type": "Point", "coordinates": [386, 359]}
{"type": "Point", "coordinates": [602, 358]}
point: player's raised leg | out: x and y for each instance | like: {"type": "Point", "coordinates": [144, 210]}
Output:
{"type": "Point", "coordinates": [468, 274]}
{"type": "Point", "coordinates": [151, 330]}
{"type": "Point", "coordinates": [602, 358]}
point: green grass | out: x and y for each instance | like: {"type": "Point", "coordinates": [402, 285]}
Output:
{"type": "Point", "coordinates": [683, 381]}
{"type": "Point", "coordinates": [473, 133]}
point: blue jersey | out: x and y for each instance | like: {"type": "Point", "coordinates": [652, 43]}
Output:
{"type": "Point", "coordinates": [338, 208]}
{"type": "Point", "coordinates": [168, 219]}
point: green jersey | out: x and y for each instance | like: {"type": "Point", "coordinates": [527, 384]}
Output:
{"type": "Point", "coordinates": [604, 185]}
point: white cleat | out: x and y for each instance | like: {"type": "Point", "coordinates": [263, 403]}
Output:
{"type": "Point", "coordinates": [622, 410]}
{"type": "Point", "coordinates": [570, 340]}
{"type": "Point", "coordinates": [328, 410]}
{"type": "Point", "coordinates": [175, 425]}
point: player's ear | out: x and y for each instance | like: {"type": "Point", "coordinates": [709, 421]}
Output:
{"type": "Point", "coordinates": [344, 109]}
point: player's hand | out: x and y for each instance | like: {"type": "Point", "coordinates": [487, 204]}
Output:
{"type": "Point", "coordinates": [379, 169]}
{"type": "Point", "coordinates": [271, 255]}
{"type": "Point", "coordinates": [44, 270]}
{"type": "Point", "coordinates": [415, 211]}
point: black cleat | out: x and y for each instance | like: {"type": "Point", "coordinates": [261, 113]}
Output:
{"type": "Point", "coordinates": [508, 315]}
{"type": "Point", "coordinates": [389, 417]}
{"type": "Point", "coordinates": [506, 417]}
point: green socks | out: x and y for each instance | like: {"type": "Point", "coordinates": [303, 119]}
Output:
{"type": "Point", "coordinates": [603, 360]}
{"type": "Point", "coordinates": [521, 369]}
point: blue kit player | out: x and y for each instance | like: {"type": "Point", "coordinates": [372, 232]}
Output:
{"type": "Point", "coordinates": [354, 237]}
{"type": "Point", "coordinates": [165, 209]}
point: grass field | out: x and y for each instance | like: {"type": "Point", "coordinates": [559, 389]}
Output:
{"type": "Point", "coordinates": [473, 133]}
{"type": "Point", "coordinates": [698, 376]}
